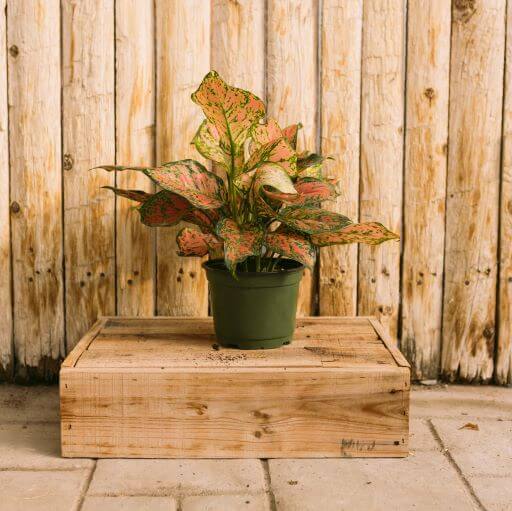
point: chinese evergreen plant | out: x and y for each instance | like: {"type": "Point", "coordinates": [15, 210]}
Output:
{"type": "Point", "coordinates": [262, 204]}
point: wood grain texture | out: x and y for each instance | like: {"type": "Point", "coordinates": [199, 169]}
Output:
{"type": "Point", "coordinates": [135, 123]}
{"type": "Point", "coordinates": [292, 66]}
{"type": "Point", "coordinates": [6, 345]}
{"type": "Point", "coordinates": [34, 81]}
{"type": "Point", "coordinates": [426, 147]}
{"type": "Point", "coordinates": [476, 91]}
{"type": "Point", "coordinates": [238, 43]}
{"type": "Point", "coordinates": [503, 369]}
{"type": "Point", "coordinates": [181, 64]}
{"type": "Point", "coordinates": [88, 121]}
{"type": "Point", "coordinates": [152, 393]}
{"type": "Point", "coordinates": [340, 114]}
{"type": "Point", "coordinates": [382, 104]}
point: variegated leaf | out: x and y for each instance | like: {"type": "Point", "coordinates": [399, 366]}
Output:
{"type": "Point", "coordinates": [262, 134]}
{"type": "Point", "coordinates": [114, 168]}
{"type": "Point", "coordinates": [192, 242]}
{"type": "Point", "coordinates": [135, 195]}
{"type": "Point", "coordinates": [312, 220]}
{"type": "Point", "coordinates": [291, 132]}
{"type": "Point", "coordinates": [271, 177]}
{"type": "Point", "coordinates": [309, 164]}
{"type": "Point", "coordinates": [239, 244]}
{"type": "Point", "coordinates": [164, 209]}
{"type": "Point", "coordinates": [309, 191]}
{"type": "Point", "coordinates": [207, 143]}
{"type": "Point", "coordinates": [205, 219]}
{"type": "Point", "coordinates": [278, 151]}
{"type": "Point", "coordinates": [244, 181]}
{"type": "Point", "coordinates": [371, 233]}
{"type": "Point", "coordinates": [293, 246]}
{"type": "Point", "coordinates": [188, 178]}
{"type": "Point", "coordinates": [231, 110]}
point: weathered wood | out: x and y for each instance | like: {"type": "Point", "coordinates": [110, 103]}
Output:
{"type": "Point", "coordinates": [88, 116]}
{"type": "Point", "coordinates": [503, 370]}
{"type": "Point", "coordinates": [476, 91]}
{"type": "Point", "coordinates": [181, 64]}
{"type": "Point", "coordinates": [292, 87]}
{"type": "Point", "coordinates": [170, 397]}
{"type": "Point", "coordinates": [135, 118]}
{"type": "Point", "coordinates": [34, 79]}
{"type": "Point", "coordinates": [380, 199]}
{"type": "Point", "coordinates": [238, 43]}
{"type": "Point", "coordinates": [426, 147]}
{"type": "Point", "coordinates": [340, 109]}
{"type": "Point", "coordinates": [6, 352]}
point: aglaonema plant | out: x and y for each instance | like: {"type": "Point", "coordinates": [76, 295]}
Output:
{"type": "Point", "coordinates": [262, 203]}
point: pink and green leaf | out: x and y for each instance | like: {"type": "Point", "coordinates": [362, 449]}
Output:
{"type": "Point", "coordinates": [293, 246]}
{"type": "Point", "coordinates": [271, 177]}
{"type": "Point", "coordinates": [310, 164]}
{"type": "Point", "coordinates": [164, 209]}
{"type": "Point", "coordinates": [116, 168]}
{"type": "Point", "coordinates": [135, 195]}
{"type": "Point", "coordinates": [371, 233]}
{"type": "Point", "coordinates": [291, 132]}
{"type": "Point", "coordinates": [194, 243]}
{"type": "Point", "coordinates": [312, 220]}
{"type": "Point", "coordinates": [207, 143]}
{"type": "Point", "coordinates": [309, 191]}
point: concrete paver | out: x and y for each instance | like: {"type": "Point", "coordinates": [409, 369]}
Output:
{"type": "Point", "coordinates": [24, 404]}
{"type": "Point", "coordinates": [421, 437]}
{"type": "Point", "coordinates": [226, 503]}
{"type": "Point", "coordinates": [129, 504]}
{"type": "Point", "coordinates": [495, 493]}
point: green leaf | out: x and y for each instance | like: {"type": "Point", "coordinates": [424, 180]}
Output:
{"type": "Point", "coordinates": [164, 209]}
{"type": "Point", "coordinates": [309, 164]}
{"type": "Point", "coordinates": [371, 233]}
{"type": "Point", "coordinates": [293, 246]}
{"type": "Point", "coordinates": [194, 243]}
{"type": "Point", "coordinates": [312, 220]}
{"type": "Point", "coordinates": [135, 195]}
{"type": "Point", "coordinates": [207, 143]}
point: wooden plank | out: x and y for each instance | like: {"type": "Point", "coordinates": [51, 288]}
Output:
{"type": "Point", "coordinates": [476, 91]}
{"type": "Point", "coordinates": [382, 107]}
{"type": "Point", "coordinates": [341, 94]}
{"type": "Point", "coordinates": [6, 345]}
{"type": "Point", "coordinates": [426, 146]}
{"type": "Point", "coordinates": [238, 43]}
{"type": "Point", "coordinates": [83, 344]}
{"type": "Point", "coordinates": [390, 343]}
{"type": "Point", "coordinates": [135, 118]}
{"type": "Point", "coordinates": [88, 116]}
{"type": "Point", "coordinates": [503, 371]}
{"type": "Point", "coordinates": [182, 61]}
{"type": "Point", "coordinates": [34, 79]}
{"type": "Point", "coordinates": [292, 87]}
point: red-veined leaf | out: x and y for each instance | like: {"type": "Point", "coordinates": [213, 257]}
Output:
{"type": "Point", "coordinates": [232, 111]}
{"type": "Point", "coordinates": [192, 242]}
{"type": "Point", "coordinates": [293, 246]}
{"type": "Point", "coordinates": [291, 132]}
{"type": "Point", "coordinates": [238, 244]}
{"type": "Point", "coordinates": [206, 221]}
{"type": "Point", "coordinates": [309, 191]}
{"type": "Point", "coordinates": [135, 195]}
{"type": "Point", "coordinates": [207, 143]}
{"type": "Point", "coordinates": [312, 220]}
{"type": "Point", "coordinates": [164, 209]}
{"type": "Point", "coordinates": [371, 233]}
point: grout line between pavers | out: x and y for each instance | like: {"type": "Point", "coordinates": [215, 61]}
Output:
{"type": "Point", "coordinates": [85, 487]}
{"type": "Point", "coordinates": [42, 469]}
{"type": "Point", "coordinates": [455, 466]}
{"type": "Point", "coordinates": [268, 485]}
{"type": "Point", "coordinates": [176, 493]}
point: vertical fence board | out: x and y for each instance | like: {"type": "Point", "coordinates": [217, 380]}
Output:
{"type": "Point", "coordinates": [340, 114]}
{"type": "Point", "coordinates": [292, 86]}
{"type": "Point", "coordinates": [476, 85]}
{"type": "Point", "coordinates": [238, 43]}
{"type": "Point", "coordinates": [503, 372]}
{"type": "Point", "coordinates": [428, 73]}
{"type": "Point", "coordinates": [135, 117]}
{"type": "Point", "coordinates": [182, 61]}
{"type": "Point", "coordinates": [382, 103]}
{"type": "Point", "coordinates": [6, 355]}
{"type": "Point", "coordinates": [36, 186]}
{"type": "Point", "coordinates": [88, 140]}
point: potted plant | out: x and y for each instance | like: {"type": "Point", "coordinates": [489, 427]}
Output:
{"type": "Point", "coordinates": [258, 216]}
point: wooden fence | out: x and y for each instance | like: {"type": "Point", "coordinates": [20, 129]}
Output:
{"type": "Point", "coordinates": [413, 99]}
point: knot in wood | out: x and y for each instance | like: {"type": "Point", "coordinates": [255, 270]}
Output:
{"type": "Point", "coordinates": [14, 51]}
{"type": "Point", "coordinates": [15, 207]}
{"type": "Point", "coordinates": [67, 162]}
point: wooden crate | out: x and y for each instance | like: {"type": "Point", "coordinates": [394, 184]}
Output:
{"type": "Point", "coordinates": [162, 388]}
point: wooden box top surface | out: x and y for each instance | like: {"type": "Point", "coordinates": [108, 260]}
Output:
{"type": "Point", "coordinates": [120, 343]}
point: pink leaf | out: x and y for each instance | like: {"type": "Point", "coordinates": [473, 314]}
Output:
{"type": "Point", "coordinates": [207, 142]}
{"type": "Point", "coordinates": [312, 220]}
{"type": "Point", "coordinates": [135, 195]}
{"type": "Point", "coordinates": [164, 209]}
{"type": "Point", "coordinates": [371, 233]}
{"type": "Point", "coordinates": [291, 132]}
{"type": "Point", "coordinates": [293, 246]}
{"type": "Point", "coordinates": [309, 190]}
{"type": "Point", "coordinates": [192, 242]}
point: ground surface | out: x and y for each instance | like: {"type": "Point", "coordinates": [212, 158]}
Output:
{"type": "Point", "coordinates": [449, 468]}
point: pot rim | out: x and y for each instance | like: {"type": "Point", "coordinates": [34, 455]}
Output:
{"type": "Point", "coordinates": [210, 265]}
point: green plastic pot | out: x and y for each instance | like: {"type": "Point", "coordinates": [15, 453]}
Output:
{"type": "Point", "coordinates": [257, 310]}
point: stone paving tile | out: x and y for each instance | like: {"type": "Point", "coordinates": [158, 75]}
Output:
{"type": "Point", "coordinates": [41, 490]}
{"type": "Point", "coordinates": [420, 436]}
{"type": "Point", "coordinates": [484, 452]}
{"type": "Point", "coordinates": [422, 482]}
{"type": "Point", "coordinates": [129, 504]}
{"type": "Point", "coordinates": [495, 493]}
{"type": "Point", "coordinates": [157, 477]}
{"type": "Point", "coordinates": [226, 503]}
{"type": "Point", "coordinates": [23, 404]}
{"type": "Point", "coordinates": [34, 446]}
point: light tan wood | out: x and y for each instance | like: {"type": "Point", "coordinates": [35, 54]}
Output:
{"type": "Point", "coordinates": [503, 372]}
{"type": "Point", "coordinates": [292, 88]}
{"type": "Point", "coordinates": [341, 101]}
{"type": "Point", "coordinates": [6, 353]}
{"type": "Point", "coordinates": [135, 123]}
{"type": "Point", "coordinates": [33, 39]}
{"type": "Point", "coordinates": [181, 64]}
{"type": "Point", "coordinates": [476, 91]}
{"type": "Point", "coordinates": [238, 43]}
{"type": "Point", "coordinates": [171, 396]}
{"type": "Point", "coordinates": [88, 116]}
{"type": "Point", "coordinates": [426, 147]}
{"type": "Point", "coordinates": [382, 103]}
